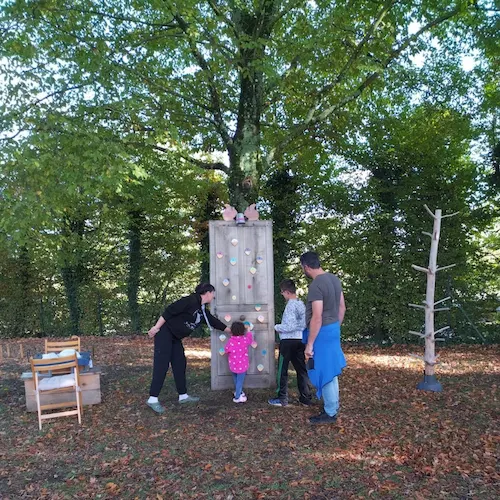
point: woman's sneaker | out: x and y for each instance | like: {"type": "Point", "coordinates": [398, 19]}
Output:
{"type": "Point", "coordinates": [189, 399]}
{"type": "Point", "coordinates": [156, 407]}
{"type": "Point", "coordinates": [241, 399]}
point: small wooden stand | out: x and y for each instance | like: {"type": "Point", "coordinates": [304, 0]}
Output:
{"type": "Point", "coordinates": [90, 381]}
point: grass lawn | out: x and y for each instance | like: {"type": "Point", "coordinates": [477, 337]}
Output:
{"type": "Point", "coordinates": [390, 440]}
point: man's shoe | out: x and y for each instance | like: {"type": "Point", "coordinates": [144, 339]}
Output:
{"type": "Point", "coordinates": [306, 402]}
{"type": "Point", "coordinates": [242, 394]}
{"type": "Point", "coordinates": [157, 407]}
{"type": "Point", "coordinates": [241, 399]}
{"type": "Point", "coordinates": [277, 402]}
{"type": "Point", "coordinates": [189, 399]}
{"type": "Point", "coordinates": [323, 418]}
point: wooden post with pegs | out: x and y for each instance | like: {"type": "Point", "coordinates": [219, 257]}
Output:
{"type": "Point", "coordinates": [429, 305]}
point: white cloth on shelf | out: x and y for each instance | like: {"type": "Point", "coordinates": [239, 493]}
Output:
{"type": "Point", "coordinates": [69, 352]}
{"type": "Point", "coordinates": [56, 382]}
{"type": "Point", "coordinates": [62, 354]}
{"type": "Point", "coordinates": [50, 355]}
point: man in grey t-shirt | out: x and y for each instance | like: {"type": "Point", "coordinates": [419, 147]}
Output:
{"type": "Point", "coordinates": [325, 311]}
{"type": "Point", "coordinates": [325, 287]}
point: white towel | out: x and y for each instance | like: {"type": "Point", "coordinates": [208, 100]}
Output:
{"type": "Point", "coordinates": [56, 382]}
{"type": "Point", "coordinates": [50, 355]}
{"type": "Point", "coordinates": [69, 352]}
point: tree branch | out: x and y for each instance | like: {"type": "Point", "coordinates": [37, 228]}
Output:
{"type": "Point", "coordinates": [195, 102]}
{"type": "Point", "coordinates": [441, 330]}
{"type": "Point", "coordinates": [357, 49]}
{"type": "Point", "coordinates": [206, 165]}
{"type": "Point", "coordinates": [284, 12]}
{"type": "Point", "coordinates": [222, 16]}
{"type": "Point", "coordinates": [282, 78]}
{"type": "Point", "coordinates": [199, 163]}
{"type": "Point", "coordinates": [214, 94]}
{"type": "Point", "coordinates": [313, 119]}
{"type": "Point", "coordinates": [418, 334]}
{"type": "Point", "coordinates": [445, 267]}
{"type": "Point", "coordinates": [431, 213]}
{"type": "Point", "coordinates": [419, 268]}
{"type": "Point", "coordinates": [442, 300]}
{"type": "Point", "coordinates": [104, 15]}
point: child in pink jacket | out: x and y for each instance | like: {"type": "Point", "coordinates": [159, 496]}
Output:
{"type": "Point", "coordinates": [237, 351]}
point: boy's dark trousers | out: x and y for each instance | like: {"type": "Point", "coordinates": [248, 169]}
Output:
{"type": "Point", "coordinates": [292, 350]}
{"type": "Point", "coordinates": [168, 351]}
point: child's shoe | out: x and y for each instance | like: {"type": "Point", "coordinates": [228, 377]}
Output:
{"type": "Point", "coordinates": [241, 399]}
{"type": "Point", "coordinates": [278, 402]}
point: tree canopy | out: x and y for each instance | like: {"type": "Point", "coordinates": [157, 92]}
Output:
{"type": "Point", "coordinates": [120, 118]}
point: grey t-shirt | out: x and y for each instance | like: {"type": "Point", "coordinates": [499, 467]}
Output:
{"type": "Point", "coordinates": [325, 287]}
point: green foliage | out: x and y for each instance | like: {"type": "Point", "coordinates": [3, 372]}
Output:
{"type": "Point", "coordinates": [372, 235]}
{"type": "Point", "coordinates": [111, 111]}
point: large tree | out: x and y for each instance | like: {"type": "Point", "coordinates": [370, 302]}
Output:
{"type": "Point", "coordinates": [261, 90]}
{"type": "Point", "coordinates": [252, 78]}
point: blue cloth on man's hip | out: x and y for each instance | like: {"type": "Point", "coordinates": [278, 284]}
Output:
{"type": "Point", "coordinates": [329, 360]}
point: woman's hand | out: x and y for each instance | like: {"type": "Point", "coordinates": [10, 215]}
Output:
{"type": "Point", "coordinates": [153, 331]}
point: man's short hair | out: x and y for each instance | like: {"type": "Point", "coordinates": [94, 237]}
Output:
{"type": "Point", "coordinates": [203, 288]}
{"type": "Point", "coordinates": [310, 259]}
{"type": "Point", "coordinates": [288, 286]}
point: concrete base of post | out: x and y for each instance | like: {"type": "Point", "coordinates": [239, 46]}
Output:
{"type": "Point", "coordinates": [430, 383]}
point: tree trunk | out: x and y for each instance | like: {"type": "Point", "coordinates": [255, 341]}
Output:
{"type": "Point", "coordinates": [244, 152]}
{"type": "Point", "coordinates": [385, 180]}
{"type": "Point", "coordinates": [209, 210]}
{"type": "Point", "coordinates": [24, 312]}
{"type": "Point", "coordinates": [71, 285]}
{"type": "Point", "coordinates": [134, 271]}
{"type": "Point", "coordinates": [284, 198]}
{"type": "Point", "coordinates": [72, 269]}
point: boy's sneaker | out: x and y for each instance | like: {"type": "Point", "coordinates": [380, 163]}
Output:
{"type": "Point", "coordinates": [242, 394]}
{"type": "Point", "coordinates": [278, 402]}
{"type": "Point", "coordinates": [306, 402]}
{"type": "Point", "coordinates": [241, 399]}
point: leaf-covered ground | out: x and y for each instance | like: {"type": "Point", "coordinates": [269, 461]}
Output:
{"type": "Point", "coordinates": [390, 441]}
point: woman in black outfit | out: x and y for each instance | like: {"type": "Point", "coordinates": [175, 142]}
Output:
{"type": "Point", "coordinates": [178, 321]}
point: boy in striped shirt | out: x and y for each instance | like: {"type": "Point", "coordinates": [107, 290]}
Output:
{"type": "Point", "coordinates": [291, 348]}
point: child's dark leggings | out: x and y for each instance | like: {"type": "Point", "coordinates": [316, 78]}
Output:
{"type": "Point", "coordinates": [168, 351]}
{"type": "Point", "coordinates": [292, 351]}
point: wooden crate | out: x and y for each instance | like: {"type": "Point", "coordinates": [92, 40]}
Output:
{"type": "Point", "coordinates": [90, 382]}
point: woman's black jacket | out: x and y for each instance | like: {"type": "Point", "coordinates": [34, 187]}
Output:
{"type": "Point", "coordinates": [184, 315]}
